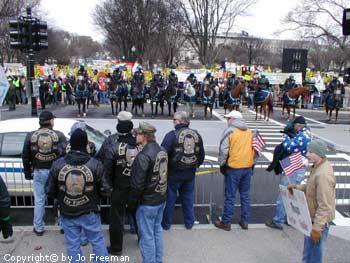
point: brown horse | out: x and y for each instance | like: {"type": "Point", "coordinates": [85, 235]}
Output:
{"type": "Point", "coordinates": [233, 100]}
{"type": "Point", "coordinates": [208, 98]}
{"type": "Point", "coordinates": [290, 99]}
{"type": "Point", "coordinates": [334, 102]}
{"type": "Point", "coordinates": [268, 102]}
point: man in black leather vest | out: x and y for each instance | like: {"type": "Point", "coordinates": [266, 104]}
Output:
{"type": "Point", "coordinates": [78, 182]}
{"type": "Point", "coordinates": [148, 180]}
{"type": "Point", "coordinates": [117, 162]}
{"type": "Point", "coordinates": [186, 154]}
{"type": "Point", "coordinates": [40, 149]}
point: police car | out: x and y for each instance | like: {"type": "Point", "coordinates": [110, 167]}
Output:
{"type": "Point", "coordinates": [12, 136]}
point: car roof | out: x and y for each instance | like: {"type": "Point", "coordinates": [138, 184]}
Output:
{"type": "Point", "coordinates": [32, 124]}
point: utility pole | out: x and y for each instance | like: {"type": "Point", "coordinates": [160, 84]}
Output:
{"type": "Point", "coordinates": [29, 35]}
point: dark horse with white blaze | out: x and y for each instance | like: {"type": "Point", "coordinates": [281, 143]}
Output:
{"type": "Point", "coordinates": [290, 99]}
{"type": "Point", "coordinates": [156, 94]}
{"type": "Point", "coordinates": [170, 96]}
{"type": "Point", "coordinates": [138, 97]}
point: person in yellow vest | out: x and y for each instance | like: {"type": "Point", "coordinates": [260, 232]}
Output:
{"type": "Point", "coordinates": [17, 85]}
{"type": "Point", "coordinates": [236, 159]}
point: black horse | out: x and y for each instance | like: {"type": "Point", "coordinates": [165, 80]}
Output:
{"type": "Point", "coordinates": [156, 94]}
{"type": "Point", "coordinates": [122, 95]}
{"type": "Point", "coordinates": [170, 96]}
{"type": "Point", "coordinates": [138, 97]}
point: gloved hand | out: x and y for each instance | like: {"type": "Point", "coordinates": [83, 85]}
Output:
{"type": "Point", "coordinates": [316, 235]}
{"type": "Point", "coordinates": [223, 169]}
{"type": "Point", "coordinates": [291, 187]}
{"type": "Point", "coordinates": [28, 175]}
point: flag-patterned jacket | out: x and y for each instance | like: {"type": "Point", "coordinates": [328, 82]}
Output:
{"type": "Point", "coordinates": [299, 142]}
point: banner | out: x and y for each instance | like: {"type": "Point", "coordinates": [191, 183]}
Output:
{"type": "Point", "coordinates": [276, 78]}
{"type": "Point", "coordinates": [297, 210]}
{"type": "Point", "coordinates": [4, 85]}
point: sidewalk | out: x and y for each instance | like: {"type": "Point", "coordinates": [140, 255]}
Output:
{"type": "Point", "coordinates": [202, 244]}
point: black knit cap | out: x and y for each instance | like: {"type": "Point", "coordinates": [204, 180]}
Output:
{"type": "Point", "coordinates": [300, 120]}
{"type": "Point", "coordinates": [125, 126]}
{"type": "Point", "coordinates": [78, 140]}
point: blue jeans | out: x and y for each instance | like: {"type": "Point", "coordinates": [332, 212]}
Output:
{"type": "Point", "coordinates": [296, 178]}
{"type": "Point", "coordinates": [237, 179]}
{"type": "Point", "coordinates": [83, 239]}
{"type": "Point", "coordinates": [149, 220]}
{"type": "Point", "coordinates": [313, 251]}
{"type": "Point", "coordinates": [91, 225]}
{"type": "Point", "coordinates": [186, 191]}
{"type": "Point", "coordinates": [39, 182]}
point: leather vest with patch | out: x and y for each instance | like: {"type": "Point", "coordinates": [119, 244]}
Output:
{"type": "Point", "coordinates": [187, 149]}
{"type": "Point", "coordinates": [44, 145]}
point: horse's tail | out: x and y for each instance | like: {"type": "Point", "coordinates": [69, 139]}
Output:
{"type": "Point", "coordinates": [270, 105]}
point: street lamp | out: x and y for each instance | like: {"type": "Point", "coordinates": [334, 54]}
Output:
{"type": "Point", "coordinates": [133, 50]}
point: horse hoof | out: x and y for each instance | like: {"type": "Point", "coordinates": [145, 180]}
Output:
{"type": "Point", "coordinates": [84, 114]}
{"type": "Point", "coordinates": [78, 115]}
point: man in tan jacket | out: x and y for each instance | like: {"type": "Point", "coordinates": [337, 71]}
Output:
{"type": "Point", "coordinates": [320, 196]}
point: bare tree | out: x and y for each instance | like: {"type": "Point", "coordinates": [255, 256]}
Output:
{"type": "Point", "coordinates": [11, 9]}
{"type": "Point", "coordinates": [204, 19]}
{"type": "Point", "coordinates": [321, 21]}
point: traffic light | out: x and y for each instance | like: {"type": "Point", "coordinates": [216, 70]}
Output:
{"type": "Point", "coordinates": [39, 35]}
{"type": "Point", "coordinates": [16, 33]}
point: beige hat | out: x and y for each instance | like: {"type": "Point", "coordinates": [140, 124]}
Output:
{"type": "Point", "coordinates": [145, 127]}
{"type": "Point", "coordinates": [234, 114]}
{"type": "Point", "coordinates": [124, 116]}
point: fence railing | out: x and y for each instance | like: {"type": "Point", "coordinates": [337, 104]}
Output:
{"type": "Point", "coordinates": [209, 189]}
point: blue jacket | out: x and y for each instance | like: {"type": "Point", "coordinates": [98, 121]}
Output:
{"type": "Point", "coordinates": [299, 142]}
{"type": "Point", "coordinates": [168, 143]}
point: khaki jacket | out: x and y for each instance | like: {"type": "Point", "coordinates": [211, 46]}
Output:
{"type": "Point", "coordinates": [320, 194]}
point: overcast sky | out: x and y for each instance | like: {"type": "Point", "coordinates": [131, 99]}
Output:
{"type": "Point", "coordinates": [75, 16]}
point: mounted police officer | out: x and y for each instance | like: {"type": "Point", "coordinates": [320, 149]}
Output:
{"type": "Point", "coordinates": [263, 89]}
{"type": "Point", "coordinates": [81, 89]}
{"type": "Point", "coordinates": [186, 153]}
{"type": "Point", "coordinates": [231, 80]}
{"type": "Point", "coordinates": [173, 85]}
{"type": "Point", "coordinates": [333, 85]}
{"type": "Point", "coordinates": [117, 75]}
{"type": "Point", "coordinates": [158, 79]}
{"type": "Point", "coordinates": [78, 182]}
{"type": "Point", "coordinates": [289, 84]}
{"type": "Point", "coordinates": [117, 163]}
{"type": "Point", "coordinates": [40, 149]}
{"type": "Point", "coordinates": [11, 94]}
{"type": "Point", "coordinates": [192, 78]}
{"type": "Point", "coordinates": [149, 173]}
{"type": "Point", "coordinates": [138, 79]}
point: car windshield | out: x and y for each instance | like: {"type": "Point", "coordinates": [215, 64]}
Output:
{"type": "Point", "coordinates": [95, 136]}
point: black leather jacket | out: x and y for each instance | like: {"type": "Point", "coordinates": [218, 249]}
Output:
{"type": "Point", "coordinates": [78, 181]}
{"type": "Point", "coordinates": [108, 142]}
{"type": "Point", "coordinates": [30, 157]}
{"type": "Point", "coordinates": [5, 200]}
{"type": "Point", "coordinates": [116, 164]}
{"type": "Point", "coordinates": [149, 176]}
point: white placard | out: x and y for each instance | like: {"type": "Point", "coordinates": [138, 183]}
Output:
{"type": "Point", "coordinates": [279, 78]}
{"type": "Point", "coordinates": [297, 210]}
{"type": "Point", "coordinates": [4, 85]}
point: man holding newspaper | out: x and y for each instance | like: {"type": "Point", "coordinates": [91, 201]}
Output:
{"type": "Point", "coordinates": [294, 145]}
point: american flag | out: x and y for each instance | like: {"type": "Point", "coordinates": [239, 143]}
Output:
{"type": "Point", "coordinates": [292, 163]}
{"type": "Point", "coordinates": [258, 142]}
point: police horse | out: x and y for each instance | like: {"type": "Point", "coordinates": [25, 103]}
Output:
{"type": "Point", "coordinates": [111, 93]}
{"type": "Point", "coordinates": [264, 99]}
{"type": "Point", "coordinates": [121, 95]}
{"type": "Point", "coordinates": [291, 99]}
{"type": "Point", "coordinates": [170, 96]}
{"type": "Point", "coordinates": [232, 98]}
{"type": "Point", "coordinates": [156, 94]}
{"type": "Point", "coordinates": [208, 98]}
{"type": "Point", "coordinates": [333, 101]}
{"type": "Point", "coordinates": [138, 97]}
{"type": "Point", "coordinates": [81, 94]}
{"type": "Point", "coordinates": [190, 98]}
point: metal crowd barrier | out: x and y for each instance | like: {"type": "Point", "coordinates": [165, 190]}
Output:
{"type": "Point", "coordinates": [209, 189]}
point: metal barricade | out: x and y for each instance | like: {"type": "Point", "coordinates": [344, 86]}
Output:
{"type": "Point", "coordinates": [209, 187]}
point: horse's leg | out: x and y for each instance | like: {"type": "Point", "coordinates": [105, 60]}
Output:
{"type": "Point", "coordinates": [336, 115]}
{"type": "Point", "coordinates": [294, 112]}
{"type": "Point", "coordinates": [125, 102]}
{"type": "Point", "coordinates": [211, 110]}
{"type": "Point", "coordinates": [256, 111]}
{"type": "Point", "coordinates": [283, 106]}
{"type": "Point", "coordinates": [84, 107]}
{"type": "Point", "coordinates": [161, 103]}
{"type": "Point", "coordinates": [169, 107]}
{"type": "Point", "coordinates": [78, 102]}
{"type": "Point", "coordinates": [205, 110]}
{"type": "Point", "coordinates": [175, 106]}
{"type": "Point", "coordinates": [330, 114]}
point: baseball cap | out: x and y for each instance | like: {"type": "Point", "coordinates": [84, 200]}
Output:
{"type": "Point", "coordinates": [234, 114]}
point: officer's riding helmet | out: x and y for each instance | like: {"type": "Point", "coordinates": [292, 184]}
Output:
{"type": "Point", "coordinates": [208, 73]}
{"type": "Point", "coordinates": [158, 70]}
{"type": "Point", "coordinates": [171, 70]}
{"type": "Point", "coordinates": [192, 72]}
{"type": "Point", "coordinates": [291, 76]}
{"type": "Point", "coordinates": [139, 68]}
